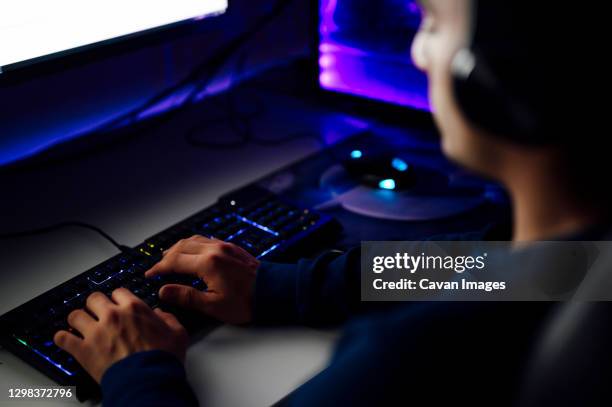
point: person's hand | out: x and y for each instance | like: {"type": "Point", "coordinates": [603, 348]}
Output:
{"type": "Point", "coordinates": [228, 271]}
{"type": "Point", "coordinates": [113, 330]}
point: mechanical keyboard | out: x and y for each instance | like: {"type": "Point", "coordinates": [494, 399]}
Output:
{"type": "Point", "coordinates": [253, 218]}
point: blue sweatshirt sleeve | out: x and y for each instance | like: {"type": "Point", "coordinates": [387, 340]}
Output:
{"type": "Point", "coordinates": [323, 291]}
{"type": "Point", "coordinates": [319, 292]}
{"type": "Point", "coordinates": [151, 379]}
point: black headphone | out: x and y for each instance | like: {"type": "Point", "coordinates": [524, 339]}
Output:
{"type": "Point", "coordinates": [493, 80]}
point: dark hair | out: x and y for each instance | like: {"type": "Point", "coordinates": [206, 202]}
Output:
{"type": "Point", "coordinates": [548, 60]}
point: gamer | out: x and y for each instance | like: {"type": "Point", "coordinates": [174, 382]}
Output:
{"type": "Point", "coordinates": [494, 81]}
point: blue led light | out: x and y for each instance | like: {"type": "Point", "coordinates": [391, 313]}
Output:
{"type": "Point", "coordinates": [241, 231]}
{"type": "Point", "coordinates": [108, 278]}
{"type": "Point", "coordinates": [54, 363]}
{"type": "Point", "coordinates": [42, 355]}
{"type": "Point", "coordinates": [399, 164]}
{"type": "Point", "coordinates": [267, 251]}
{"type": "Point", "coordinates": [257, 225]}
{"type": "Point", "coordinates": [388, 184]}
{"type": "Point", "coordinates": [356, 154]}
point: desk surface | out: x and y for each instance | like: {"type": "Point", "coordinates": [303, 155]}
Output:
{"type": "Point", "coordinates": [132, 191]}
{"type": "Point", "coordinates": [229, 367]}
{"type": "Point", "coordinates": [137, 188]}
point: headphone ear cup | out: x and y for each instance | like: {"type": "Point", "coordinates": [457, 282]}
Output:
{"type": "Point", "coordinates": [485, 103]}
{"type": "Point", "coordinates": [477, 94]}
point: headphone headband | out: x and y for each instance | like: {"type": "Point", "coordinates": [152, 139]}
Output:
{"type": "Point", "coordinates": [508, 79]}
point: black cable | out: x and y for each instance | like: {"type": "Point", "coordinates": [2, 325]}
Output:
{"type": "Point", "coordinates": [52, 228]}
{"type": "Point", "coordinates": [206, 70]}
{"type": "Point", "coordinates": [200, 76]}
{"type": "Point", "coordinates": [239, 122]}
{"type": "Point", "coordinates": [241, 125]}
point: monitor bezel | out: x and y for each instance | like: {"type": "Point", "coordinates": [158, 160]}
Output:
{"type": "Point", "coordinates": [60, 61]}
{"type": "Point", "coordinates": [389, 112]}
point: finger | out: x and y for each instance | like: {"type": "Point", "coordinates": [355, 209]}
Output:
{"type": "Point", "coordinates": [124, 296]}
{"type": "Point", "coordinates": [81, 321]}
{"type": "Point", "coordinates": [245, 256]}
{"type": "Point", "coordinates": [98, 303]}
{"type": "Point", "coordinates": [169, 319]}
{"type": "Point", "coordinates": [175, 262]}
{"type": "Point", "coordinates": [185, 297]}
{"type": "Point", "coordinates": [234, 251]}
{"type": "Point", "coordinates": [217, 265]}
{"type": "Point", "coordinates": [68, 342]}
{"type": "Point", "coordinates": [189, 246]}
{"type": "Point", "coordinates": [181, 244]}
{"type": "Point", "coordinates": [203, 239]}
{"type": "Point", "coordinates": [173, 247]}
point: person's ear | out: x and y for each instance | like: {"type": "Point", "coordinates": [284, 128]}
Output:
{"type": "Point", "coordinates": [418, 53]}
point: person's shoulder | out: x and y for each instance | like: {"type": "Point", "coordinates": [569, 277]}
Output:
{"type": "Point", "coordinates": [433, 322]}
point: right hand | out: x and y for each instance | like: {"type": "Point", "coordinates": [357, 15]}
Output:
{"type": "Point", "coordinates": [228, 271]}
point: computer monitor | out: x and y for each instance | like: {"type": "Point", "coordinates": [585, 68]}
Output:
{"type": "Point", "coordinates": [40, 37]}
{"type": "Point", "coordinates": [35, 31]}
{"type": "Point", "coordinates": [364, 51]}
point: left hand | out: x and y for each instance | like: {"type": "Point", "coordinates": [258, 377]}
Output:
{"type": "Point", "coordinates": [113, 330]}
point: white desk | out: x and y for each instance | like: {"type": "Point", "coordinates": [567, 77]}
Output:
{"type": "Point", "coordinates": [132, 199]}
{"type": "Point", "coordinates": [229, 367]}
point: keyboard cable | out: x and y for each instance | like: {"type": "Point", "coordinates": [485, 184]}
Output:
{"type": "Point", "coordinates": [66, 224]}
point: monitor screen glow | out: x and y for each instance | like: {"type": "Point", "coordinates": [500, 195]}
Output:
{"type": "Point", "coordinates": [364, 50]}
{"type": "Point", "coordinates": [32, 29]}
